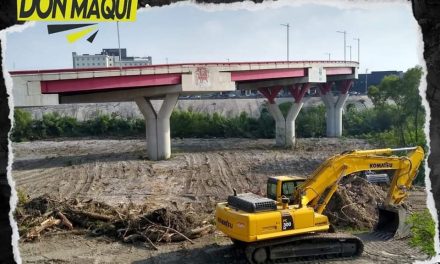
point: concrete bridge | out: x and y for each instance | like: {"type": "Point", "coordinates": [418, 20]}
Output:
{"type": "Point", "coordinates": [333, 79]}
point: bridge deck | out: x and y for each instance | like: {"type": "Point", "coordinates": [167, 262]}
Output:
{"type": "Point", "coordinates": [194, 77]}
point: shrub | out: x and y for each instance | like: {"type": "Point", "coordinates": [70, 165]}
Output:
{"type": "Point", "coordinates": [22, 125]}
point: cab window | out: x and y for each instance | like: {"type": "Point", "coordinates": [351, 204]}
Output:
{"type": "Point", "coordinates": [288, 188]}
{"type": "Point", "coordinates": [272, 190]}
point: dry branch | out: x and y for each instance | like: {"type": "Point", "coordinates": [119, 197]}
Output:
{"type": "Point", "coordinates": [171, 229]}
{"type": "Point", "coordinates": [132, 238]}
{"type": "Point", "coordinates": [149, 241]}
{"type": "Point", "coordinates": [95, 216]}
{"type": "Point", "coordinates": [35, 232]}
{"type": "Point", "coordinates": [65, 221]}
{"type": "Point", "coordinates": [200, 231]}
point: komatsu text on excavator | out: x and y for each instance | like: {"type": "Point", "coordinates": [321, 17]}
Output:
{"type": "Point", "coordinates": [289, 224]}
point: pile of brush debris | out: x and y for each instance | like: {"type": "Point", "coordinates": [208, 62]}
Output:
{"type": "Point", "coordinates": [355, 203]}
{"type": "Point", "coordinates": [354, 206]}
{"type": "Point", "coordinates": [127, 222]}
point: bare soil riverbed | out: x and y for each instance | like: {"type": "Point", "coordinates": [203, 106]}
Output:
{"type": "Point", "coordinates": [200, 173]}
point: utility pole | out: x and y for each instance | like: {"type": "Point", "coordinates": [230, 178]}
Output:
{"type": "Point", "coordinates": [345, 41]}
{"type": "Point", "coordinates": [359, 48]}
{"type": "Point", "coordinates": [119, 44]}
{"type": "Point", "coordinates": [329, 54]}
{"type": "Point", "coordinates": [287, 29]}
{"type": "Point", "coordinates": [349, 46]}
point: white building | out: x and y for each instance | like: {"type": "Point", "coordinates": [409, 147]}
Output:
{"type": "Point", "coordinates": [108, 58]}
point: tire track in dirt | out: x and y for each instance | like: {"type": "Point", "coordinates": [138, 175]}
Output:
{"type": "Point", "coordinates": [45, 170]}
{"type": "Point", "coordinates": [88, 180]}
{"type": "Point", "coordinates": [210, 174]}
{"type": "Point", "coordinates": [234, 180]}
{"type": "Point", "coordinates": [71, 180]}
{"type": "Point", "coordinates": [200, 170]}
{"type": "Point", "coordinates": [219, 173]}
{"type": "Point", "coordinates": [74, 187]}
{"type": "Point", "coordinates": [41, 180]}
{"type": "Point", "coordinates": [191, 177]}
{"type": "Point", "coordinates": [417, 198]}
{"type": "Point", "coordinates": [389, 251]}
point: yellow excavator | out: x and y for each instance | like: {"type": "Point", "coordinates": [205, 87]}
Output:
{"type": "Point", "coordinates": [289, 224]}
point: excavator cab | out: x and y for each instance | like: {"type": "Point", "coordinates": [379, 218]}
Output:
{"type": "Point", "coordinates": [283, 186]}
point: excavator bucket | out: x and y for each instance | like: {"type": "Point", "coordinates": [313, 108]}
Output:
{"type": "Point", "coordinates": [392, 222]}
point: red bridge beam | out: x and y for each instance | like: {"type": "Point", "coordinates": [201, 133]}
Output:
{"type": "Point", "coordinates": [338, 71]}
{"type": "Point", "coordinates": [109, 83]}
{"type": "Point", "coordinates": [299, 90]}
{"type": "Point", "coordinates": [346, 85]}
{"type": "Point", "coordinates": [267, 74]}
{"type": "Point", "coordinates": [270, 93]}
{"type": "Point", "coordinates": [325, 88]}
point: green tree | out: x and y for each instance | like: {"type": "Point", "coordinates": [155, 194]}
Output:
{"type": "Point", "coordinates": [381, 93]}
{"type": "Point", "coordinates": [403, 93]}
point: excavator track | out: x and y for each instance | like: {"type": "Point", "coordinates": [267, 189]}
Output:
{"type": "Point", "coordinates": [304, 249]}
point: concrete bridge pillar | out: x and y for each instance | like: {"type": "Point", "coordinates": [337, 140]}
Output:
{"type": "Point", "coordinates": [275, 112]}
{"type": "Point", "coordinates": [334, 106]}
{"type": "Point", "coordinates": [297, 91]}
{"type": "Point", "coordinates": [157, 126]}
{"type": "Point", "coordinates": [285, 126]}
{"type": "Point", "coordinates": [280, 124]}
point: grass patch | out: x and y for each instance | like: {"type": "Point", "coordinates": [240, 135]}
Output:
{"type": "Point", "coordinates": [22, 197]}
{"type": "Point", "coordinates": [423, 231]}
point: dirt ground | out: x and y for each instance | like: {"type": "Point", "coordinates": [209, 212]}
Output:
{"type": "Point", "coordinates": [200, 173]}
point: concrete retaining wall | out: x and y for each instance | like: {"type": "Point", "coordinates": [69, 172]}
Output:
{"type": "Point", "coordinates": [225, 107]}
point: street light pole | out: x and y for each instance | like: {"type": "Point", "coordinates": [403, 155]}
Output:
{"type": "Point", "coordinates": [345, 41]}
{"type": "Point", "coordinates": [329, 54]}
{"type": "Point", "coordinates": [359, 48]}
{"type": "Point", "coordinates": [349, 46]}
{"type": "Point", "coordinates": [119, 44]}
{"type": "Point", "coordinates": [288, 29]}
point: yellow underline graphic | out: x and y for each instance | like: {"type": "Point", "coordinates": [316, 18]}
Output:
{"type": "Point", "coordinates": [72, 37]}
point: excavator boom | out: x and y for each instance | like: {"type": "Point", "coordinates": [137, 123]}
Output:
{"type": "Point", "coordinates": [321, 185]}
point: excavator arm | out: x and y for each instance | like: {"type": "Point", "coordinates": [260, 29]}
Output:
{"type": "Point", "coordinates": [318, 189]}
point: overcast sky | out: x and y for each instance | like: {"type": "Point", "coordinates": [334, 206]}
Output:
{"type": "Point", "coordinates": [187, 33]}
